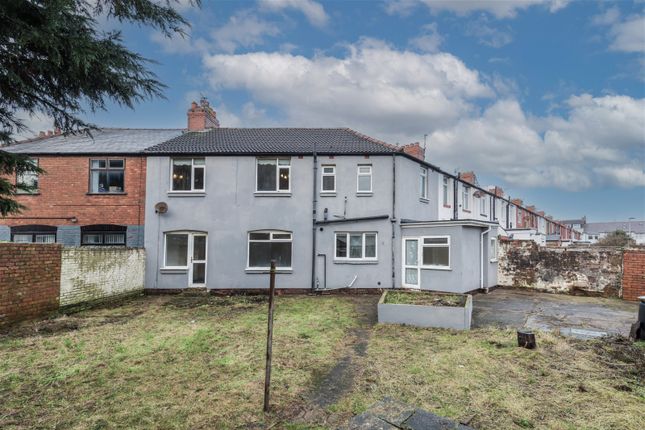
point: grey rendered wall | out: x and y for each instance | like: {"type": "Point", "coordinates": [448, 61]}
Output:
{"type": "Point", "coordinates": [409, 205]}
{"type": "Point", "coordinates": [135, 236]}
{"type": "Point", "coordinates": [69, 235]}
{"type": "Point", "coordinates": [230, 209]}
{"type": "Point", "coordinates": [5, 233]}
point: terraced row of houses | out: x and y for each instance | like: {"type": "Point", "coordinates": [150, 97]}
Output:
{"type": "Point", "coordinates": [214, 206]}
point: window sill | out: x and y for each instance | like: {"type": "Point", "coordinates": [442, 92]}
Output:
{"type": "Point", "coordinates": [447, 206]}
{"type": "Point", "coordinates": [37, 193]}
{"type": "Point", "coordinates": [173, 270]}
{"type": "Point", "coordinates": [355, 261]}
{"type": "Point", "coordinates": [286, 270]}
{"type": "Point", "coordinates": [327, 194]}
{"type": "Point", "coordinates": [466, 210]}
{"type": "Point", "coordinates": [272, 194]}
{"type": "Point", "coordinates": [186, 193]}
{"type": "Point", "coordinates": [364, 194]}
{"type": "Point", "coordinates": [435, 268]}
{"type": "Point", "coordinates": [494, 260]}
{"type": "Point", "coordinates": [107, 194]}
{"type": "Point", "coordinates": [424, 200]}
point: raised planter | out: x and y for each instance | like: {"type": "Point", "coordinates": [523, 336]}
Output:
{"type": "Point", "coordinates": [456, 315]}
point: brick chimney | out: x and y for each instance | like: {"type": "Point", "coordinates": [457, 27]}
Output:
{"type": "Point", "coordinates": [517, 202]}
{"type": "Point", "coordinates": [498, 191]}
{"type": "Point", "coordinates": [469, 177]}
{"type": "Point", "coordinates": [201, 116]}
{"type": "Point", "coordinates": [415, 150]}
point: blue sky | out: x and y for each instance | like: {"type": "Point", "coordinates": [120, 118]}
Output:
{"type": "Point", "coordinates": [544, 98]}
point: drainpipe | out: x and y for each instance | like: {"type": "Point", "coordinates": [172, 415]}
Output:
{"type": "Point", "coordinates": [393, 220]}
{"type": "Point", "coordinates": [455, 199]}
{"type": "Point", "coordinates": [313, 221]}
{"type": "Point", "coordinates": [481, 253]}
{"type": "Point", "coordinates": [508, 213]}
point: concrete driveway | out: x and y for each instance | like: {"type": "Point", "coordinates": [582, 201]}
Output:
{"type": "Point", "coordinates": [582, 317]}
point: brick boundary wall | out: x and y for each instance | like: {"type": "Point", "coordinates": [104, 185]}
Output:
{"type": "Point", "coordinates": [633, 274]}
{"type": "Point", "coordinates": [29, 281]}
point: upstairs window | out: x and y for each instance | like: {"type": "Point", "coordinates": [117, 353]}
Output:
{"type": "Point", "coordinates": [465, 198]}
{"type": "Point", "coordinates": [436, 252]}
{"type": "Point", "coordinates": [364, 179]}
{"type": "Point", "coordinates": [328, 180]}
{"type": "Point", "coordinates": [273, 175]}
{"type": "Point", "coordinates": [355, 246]}
{"type": "Point", "coordinates": [103, 235]}
{"type": "Point", "coordinates": [107, 176]}
{"type": "Point", "coordinates": [446, 191]}
{"type": "Point", "coordinates": [265, 246]}
{"type": "Point", "coordinates": [188, 174]}
{"type": "Point", "coordinates": [423, 183]}
{"type": "Point", "coordinates": [28, 179]}
{"type": "Point", "coordinates": [33, 234]}
{"type": "Point", "coordinates": [482, 205]}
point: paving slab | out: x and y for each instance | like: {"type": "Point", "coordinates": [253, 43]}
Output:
{"type": "Point", "coordinates": [583, 317]}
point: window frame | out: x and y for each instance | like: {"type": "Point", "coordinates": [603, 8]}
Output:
{"type": "Point", "coordinates": [107, 169]}
{"type": "Point", "coordinates": [482, 205]}
{"type": "Point", "coordinates": [493, 249]}
{"type": "Point", "coordinates": [363, 234]}
{"type": "Point", "coordinates": [423, 245]}
{"type": "Point", "coordinates": [193, 167]}
{"type": "Point", "coordinates": [36, 190]}
{"type": "Point", "coordinates": [277, 176]}
{"type": "Point", "coordinates": [359, 174]}
{"type": "Point", "coordinates": [423, 183]}
{"type": "Point", "coordinates": [102, 230]}
{"type": "Point", "coordinates": [465, 198]}
{"type": "Point", "coordinates": [446, 191]}
{"type": "Point", "coordinates": [323, 175]}
{"type": "Point", "coordinates": [270, 240]}
{"type": "Point", "coordinates": [33, 230]}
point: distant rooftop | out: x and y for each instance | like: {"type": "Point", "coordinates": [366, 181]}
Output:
{"type": "Point", "coordinates": [101, 141]}
{"type": "Point", "coordinates": [636, 226]}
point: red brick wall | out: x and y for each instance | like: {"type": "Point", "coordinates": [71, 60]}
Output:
{"type": "Point", "coordinates": [29, 280]}
{"type": "Point", "coordinates": [633, 274]}
{"type": "Point", "coordinates": [64, 194]}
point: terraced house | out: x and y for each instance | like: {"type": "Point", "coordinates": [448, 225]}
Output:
{"type": "Point", "coordinates": [213, 206]}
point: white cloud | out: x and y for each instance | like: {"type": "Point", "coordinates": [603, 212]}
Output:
{"type": "Point", "coordinates": [429, 41]}
{"type": "Point", "coordinates": [497, 8]}
{"type": "Point", "coordinates": [626, 34]}
{"type": "Point", "coordinates": [34, 124]}
{"type": "Point", "coordinates": [244, 29]}
{"type": "Point", "coordinates": [372, 87]}
{"type": "Point", "coordinates": [487, 34]}
{"type": "Point", "coordinates": [313, 11]}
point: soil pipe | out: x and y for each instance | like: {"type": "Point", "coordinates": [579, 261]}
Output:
{"type": "Point", "coordinates": [313, 221]}
{"type": "Point", "coordinates": [393, 219]}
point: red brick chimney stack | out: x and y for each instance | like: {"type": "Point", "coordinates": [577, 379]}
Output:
{"type": "Point", "coordinates": [201, 116]}
{"type": "Point", "coordinates": [469, 177]}
{"type": "Point", "coordinates": [415, 150]}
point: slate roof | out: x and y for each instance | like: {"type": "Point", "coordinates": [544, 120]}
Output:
{"type": "Point", "coordinates": [273, 141]}
{"type": "Point", "coordinates": [102, 141]}
{"type": "Point", "coordinates": [607, 227]}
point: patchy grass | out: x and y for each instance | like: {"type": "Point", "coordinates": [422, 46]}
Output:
{"type": "Point", "coordinates": [198, 362]}
{"type": "Point", "coordinates": [424, 298]}
{"type": "Point", "coordinates": [483, 378]}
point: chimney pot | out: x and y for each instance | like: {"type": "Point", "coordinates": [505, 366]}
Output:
{"type": "Point", "coordinates": [201, 116]}
{"type": "Point", "coordinates": [415, 150]}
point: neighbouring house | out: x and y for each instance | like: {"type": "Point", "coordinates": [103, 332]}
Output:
{"type": "Point", "coordinates": [93, 192]}
{"type": "Point", "coordinates": [594, 231]}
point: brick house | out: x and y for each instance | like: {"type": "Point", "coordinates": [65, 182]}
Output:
{"type": "Point", "coordinates": [93, 192]}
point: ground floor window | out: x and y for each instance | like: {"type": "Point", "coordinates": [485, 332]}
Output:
{"type": "Point", "coordinates": [267, 245]}
{"type": "Point", "coordinates": [33, 234]}
{"type": "Point", "coordinates": [103, 235]}
{"type": "Point", "coordinates": [493, 249]}
{"type": "Point", "coordinates": [427, 252]}
{"type": "Point", "coordinates": [355, 246]}
{"type": "Point", "coordinates": [187, 250]}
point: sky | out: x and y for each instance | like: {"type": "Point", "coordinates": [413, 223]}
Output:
{"type": "Point", "coordinates": [544, 98]}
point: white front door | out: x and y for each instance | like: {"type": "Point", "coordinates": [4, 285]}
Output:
{"type": "Point", "coordinates": [411, 273]}
{"type": "Point", "coordinates": [197, 267]}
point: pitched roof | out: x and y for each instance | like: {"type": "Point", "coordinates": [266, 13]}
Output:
{"type": "Point", "coordinates": [102, 141]}
{"type": "Point", "coordinates": [607, 227]}
{"type": "Point", "coordinates": [273, 141]}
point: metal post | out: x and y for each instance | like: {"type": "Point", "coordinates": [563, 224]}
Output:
{"type": "Point", "coordinates": [267, 376]}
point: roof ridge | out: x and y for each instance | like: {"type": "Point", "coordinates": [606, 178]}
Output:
{"type": "Point", "coordinates": [373, 140]}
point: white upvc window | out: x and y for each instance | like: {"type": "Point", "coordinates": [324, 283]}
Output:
{"type": "Point", "coordinates": [328, 179]}
{"type": "Point", "coordinates": [482, 204]}
{"type": "Point", "coordinates": [188, 174]}
{"type": "Point", "coordinates": [465, 198]}
{"type": "Point", "coordinates": [493, 249]}
{"type": "Point", "coordinates": [435, 252]}
{"type": "Point", "coordinates": [446, 191]}
{"type": "Point", "coordinates": [186, 250]}
{"type": "Point", "coordinates": [356, 246]}
{"type": "Point", "coordinates": [423, 183]}
{"type": "Point", "coordinates": [273, 175]}
{"type": "Point", "coordinates": [364, 179]}
{"type": "Point", "coordinates": [267, 245]}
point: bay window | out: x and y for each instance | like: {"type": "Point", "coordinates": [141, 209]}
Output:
{"type": "Point", "coordinates": [355, 246]}
{"type": "Point", "coordinates": [267, 245]}
{"type": "Point", "coordinates": [273, 175]}
{"type": "Point", "coordinates": [188, 174]}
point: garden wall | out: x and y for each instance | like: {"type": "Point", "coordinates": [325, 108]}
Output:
{"type": "Point", "coordinates": [29, 281]}
{"type": "Point", "coordinates": [94, 274]}
{"type": "Point", "coordinates": [633, 274]}
{"type": "Point", "coordinates": [589, 271]}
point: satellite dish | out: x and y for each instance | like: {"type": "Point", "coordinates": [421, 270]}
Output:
{"type": "Point", "coordinates": [161, 208]}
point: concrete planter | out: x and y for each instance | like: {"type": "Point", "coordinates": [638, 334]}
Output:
{"type": "Point", "coordinates": [455, 317]}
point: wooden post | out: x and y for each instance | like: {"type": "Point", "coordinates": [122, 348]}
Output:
{"type": "Point", "coordinates": [267, 375]}
{"type": "Point", "coordinates": [526, 339]}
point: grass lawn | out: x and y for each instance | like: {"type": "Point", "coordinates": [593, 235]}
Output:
{"type": "Point", "coordinates": [198, 362]}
